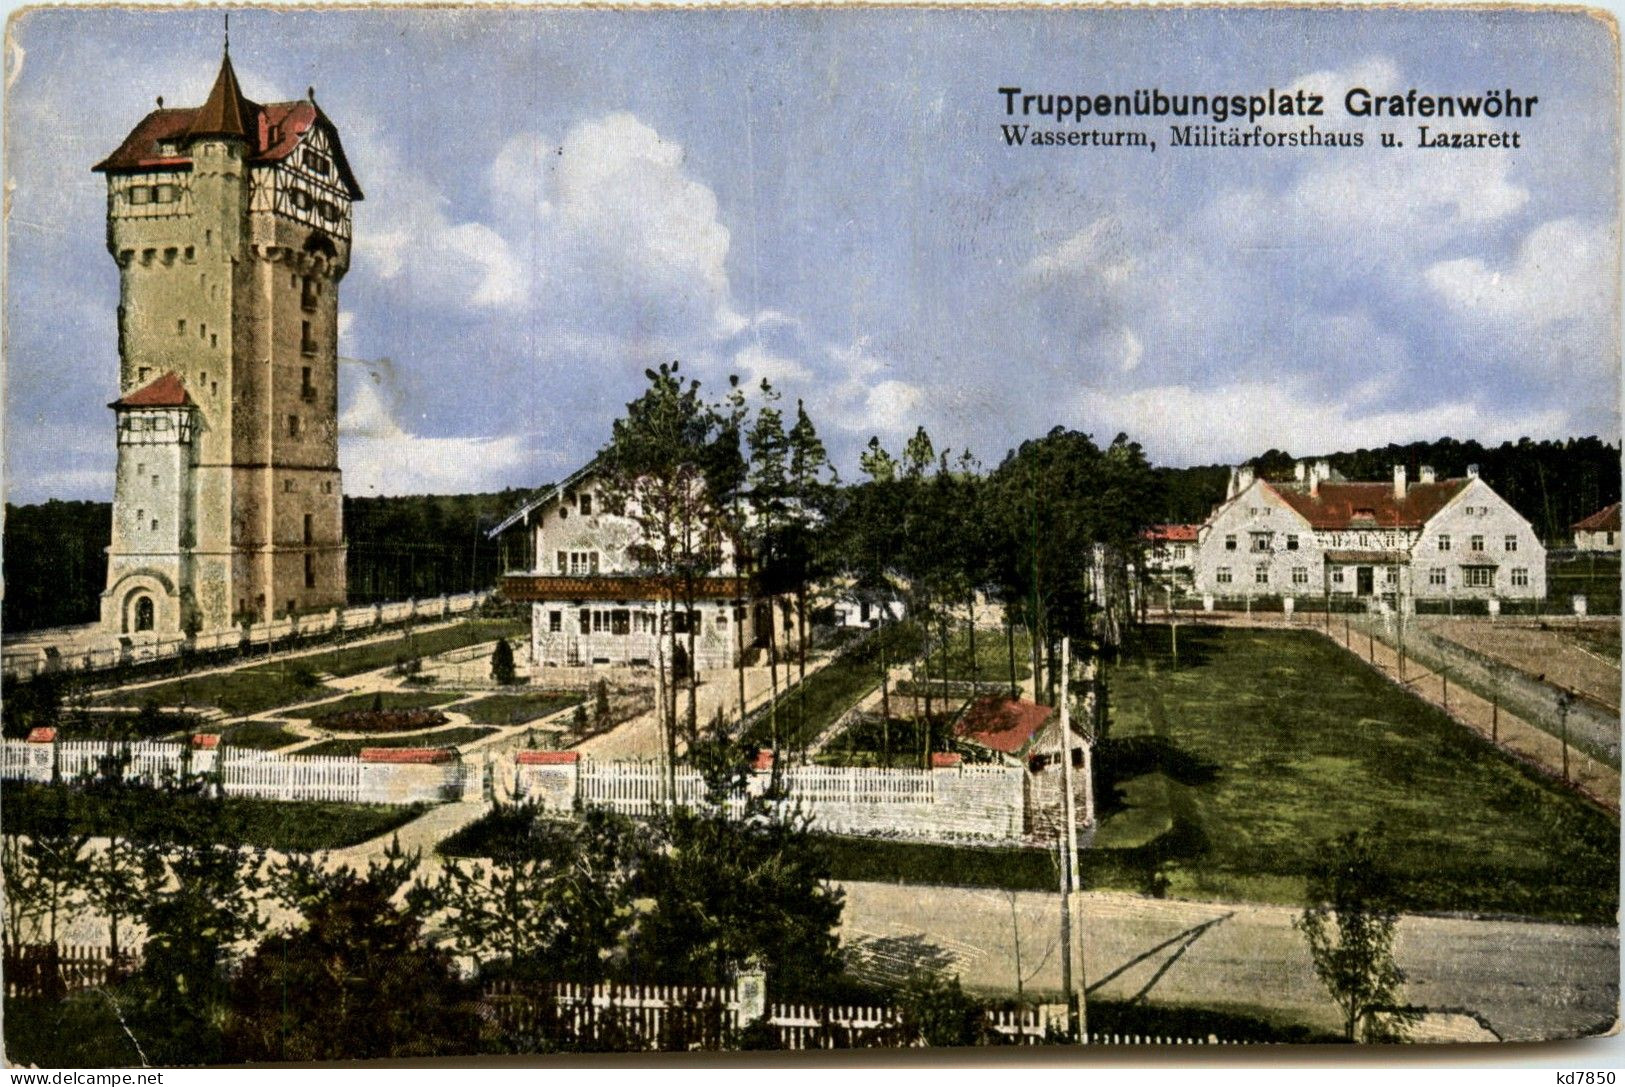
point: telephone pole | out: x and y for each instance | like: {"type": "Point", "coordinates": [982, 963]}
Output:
{"type": "Point", "coordinates": [1076, 1019]}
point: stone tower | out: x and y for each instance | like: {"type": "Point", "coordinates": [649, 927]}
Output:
{"type": "Point", "coordinates": [230, 225]}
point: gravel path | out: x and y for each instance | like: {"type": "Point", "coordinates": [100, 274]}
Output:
{"type": "Point", "coordinates": [1528, 980]}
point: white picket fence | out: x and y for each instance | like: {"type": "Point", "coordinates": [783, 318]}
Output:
{"type": "Point", "coordinates": [984, 803]}
{"type": "Point", "coordinates": [243, 772]}
{"type": "Point", "coordinates": [656, 1016]}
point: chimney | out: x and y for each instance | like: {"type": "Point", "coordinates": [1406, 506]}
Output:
{"type": "Point", "coordinates": [1472, 471]}
{"type": "Point", "coordinates": [1425, 474]}
{"type": "Point", "coordinates": [1299, 470]}
{"type": "Point", "coordinates": [1399, 482]}
{"type": "Point", "coordinates": [1319, 472]}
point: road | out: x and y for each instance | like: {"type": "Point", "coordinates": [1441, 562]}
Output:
{"type": "Point", "coordinates": [1528, 980]}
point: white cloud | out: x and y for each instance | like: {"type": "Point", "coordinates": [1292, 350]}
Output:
{"type": "Point", "coordinates": [1563, 269]}
{"type": "Point", "coordinates": [754, 362]}
{"type": "Point", "coordinates": [1181, 424]}
{"type": "Point", "coordinates": [378, 456]}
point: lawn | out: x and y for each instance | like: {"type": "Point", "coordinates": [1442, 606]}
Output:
{"type": "Point", "coordinates": [992, 656]}
{"type": "Point", "coordinates": [288, 680]}
{"type": "Point", "coordinates": [383, 700]}
{"type": "Point", "coordinates": [298, 826]}
{"type": "Point", "coordinates": [1223, 777]}
{"type": "Point", "coordinates": [1262, 745]}
{"type": "Point", "coordinates": [449, 737]}
{"type": "Point", "coordinates": [807, 709]}
{"type": "Point", "coordinates": [148, 724]}
{"type": "Point", "coordinates": [353, 660]}
{"type": "Point", "coordinates": [864, 743]}
{"type": "Point", "coordinates": [238, 694]}
{"type": "Point", "coordinates": [259, 735]}
{"type": "Point", "coordinates": [516, 709]}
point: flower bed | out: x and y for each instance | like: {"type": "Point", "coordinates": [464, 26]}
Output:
{"type": "Point", "coordinates": [409, 720]}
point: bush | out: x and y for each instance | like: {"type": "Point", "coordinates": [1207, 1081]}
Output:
{"type": "Point", "coordinates": [502, 667]}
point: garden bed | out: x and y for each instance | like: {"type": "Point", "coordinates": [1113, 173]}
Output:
{"type": "Point", "coordinates": [450, 737]}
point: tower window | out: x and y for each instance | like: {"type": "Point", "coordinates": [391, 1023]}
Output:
{"type": "Point", "coordinates": [307, 342]}
{"type": "Point", "coordinates": [307, 391]}
{"type": "Point", "coordinates": [202, 330]}
{"type": "Point", "coordinates": [310, 571]}
{"type": "Point", "coordinates": [140, 515]}
{"type": "Point", "coordinates": [289, 487]}
{"type": "Point", "coordinates": [191, 252]}
{"type": "Point", "coordinates": [214, 340]}
{"type": "Point", "coordinates": [214, 388]}
{"type": "Point", "coordinates": [293, 426]}
{"type": "Point", "coordinates": [310, 528]}
{"type": "Point", "coordinates": [155, 481]}
{"type": "Point", "coordinates": [310, 294]}
{"type": "Point", "coordinates": [180, 326]}
{"type": "Point", "coordinates": [142, 373]}
{"type": "Point", "coordinates": [155, 524]}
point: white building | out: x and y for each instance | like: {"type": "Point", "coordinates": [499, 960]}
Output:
{"type": "Point", "coordinates": [593, 602]}
{"type": "Point", "coordinates": [1170, 554]}
{"type": "Point", "coordinates": [1599, 532]}
{"type": "Point", "coordinates": [1321, 535]}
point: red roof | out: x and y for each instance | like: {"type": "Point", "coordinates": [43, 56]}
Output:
{"type": "Point", "coordinates": [548, 758]}
{"type": "Point", "coordinates": [1336, 504]}
{"type": "Point", "coordinates": [408, 754]}
{"type": "Point", "coordinates": [272, 129]}
{"type": "Point", "coordinates": [1172, 533]}
{"type": "Point", "coordinates": [946, 760]}
{"type": "Point", "coordinates": [166, 392]}
{"type": "Point", "coordinates": [206, 739]}
{"type": "Point", "coordinates": [1003, 724]}
{"type": "Point", "coordinates": [42, 735]}
{"type": "Point", "coordinates": [1604, 520]}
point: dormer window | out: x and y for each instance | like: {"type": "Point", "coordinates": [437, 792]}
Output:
{"type": "Point", "coordinates": [586, 504]}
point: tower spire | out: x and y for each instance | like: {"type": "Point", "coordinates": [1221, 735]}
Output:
{"type": "Point", "coordinates": [227, 112]}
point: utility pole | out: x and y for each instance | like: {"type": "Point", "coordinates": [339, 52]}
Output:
{"type": "Point", "coordinates": [1564, 701]}
{"type": "Point", "coordinates": [1069, 866]}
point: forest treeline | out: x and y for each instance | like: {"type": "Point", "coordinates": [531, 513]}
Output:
{"type": "Point", "coordinates": [425, 545]}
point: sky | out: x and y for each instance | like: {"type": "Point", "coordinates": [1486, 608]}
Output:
{"type": "Point", "coordinates": [558, 200]}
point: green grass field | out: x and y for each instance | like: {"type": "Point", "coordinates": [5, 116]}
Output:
{"type": "Point", "coordinates": [1223, 777]}
{"type": "Point", "coordinates": [288, 680]}
{"type": "Point", "coordinates": [449, 737]}
{"type": "Point", "coordinates": [807, 709]}
{"type": "Point", "coordinates": [992, 656]}
{"type": "Point", "coordinates": [386, 700]}
{"type": "Point", "coordinates": [1261, 745]}
{"type": "Point", "coordinates": [301, 826]}
{"type": "Point", "coordinates": [516, 709]}
{"type": "Point", "coordinates": [260, 735]}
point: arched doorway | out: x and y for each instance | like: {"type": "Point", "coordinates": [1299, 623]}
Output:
{"type": "Point", "coordinates": [141, 613]}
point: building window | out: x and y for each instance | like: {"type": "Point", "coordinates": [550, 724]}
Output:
{"type": "Point", "coordinates": [563, 560]}
{"type": "Point", "coordinates": [1261, 541]}
{"type": "Point", "coordinates": [1179, 552]}
{"type": "Point", "coordinates": [1512, 543]}
{"type": "Point", "coordinates": [582, 562]}
{"type": "Point", "coordinates": [143, 372]}
{"type": "Point", "coordinates": [307, 391]}
{"type": "Point", "coordinates": [1229, 543]}
{"type": "Point", "coordinates": [307, 341]}
{"type": "Point", "coordinates": [620, 621]}
{"type": "Point", "coordinates": [310, 571]}
{"type": "Point", "coordinates": [293, 426]}
{"type": "Point", "coordinates": [288, 486]}
{"type": "Point", "coordinates": [155, 524]}
{"type": "Point", "coordinates": [586, 504]}
{"type": "Point", "coordinates": [1261, 574]}
{"type": "Point", "coordinates": [310, 293]}
{"type": "Point", "coordinates": [586, 621]}
{"type": "Point", "coordinates": [1337, 575]}
{"type": "Point", "coordinates": [1300, 575]}
{"type": "Point", "coordinates": [1476, 543]}
{"type": "Point", "coordinates": [310, 529]}
{"type": "Point", "coordinates": [1292, 543]}
{"type": "Point", "coordinates": [1520, 577]}
{"type": "Point", "coordinates": [1479, 577]}
{"type": "Point", "coordinates": [1390, 574]}
{"type": "Point", "coordinates": [1436, 576]}
{"type": "Point", "coordinates": [555, 621]}
{"type": "Point", "coordinates": [155, 481]}
{"type": "Point", "coordinates": [1223, 576]}
{"type": "Point", "coordinates": [180, 327]}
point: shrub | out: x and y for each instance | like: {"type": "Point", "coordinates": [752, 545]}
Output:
{"type": "Point", "coordinates": [502, 666]}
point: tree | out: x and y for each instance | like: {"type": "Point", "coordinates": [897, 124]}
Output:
{"type": "Point", "coordinates": [658, 468]}
{"type": "Point", "coordinates": [502, 666]}
{"type": "Point", "coordinates": [811, 480]}
{"type": "Point", "coordinates": [938, 1010]}
{"type": "Point", "coordinates": [730, 889]}
{"type": "Point", "coordinates": [553, 902]}
{"type": "Point", "coordinates": [1349, 924]}
{"type": "Point", "coordinates": [356, 979]}
{"type": "Point", "coordinates": [769, 494]}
